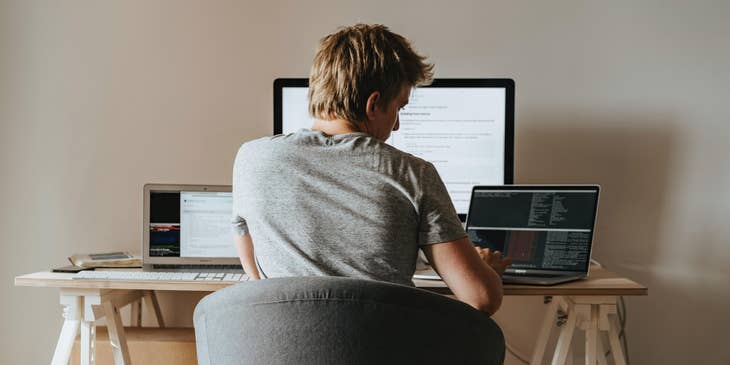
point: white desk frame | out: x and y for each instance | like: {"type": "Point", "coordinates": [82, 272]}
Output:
{"type": "Point", "coordinates": [592, 314]}
{"type": "Point", "coordinates": [589, 305]}
{"type": "Point", "coordinates": [81, 309]}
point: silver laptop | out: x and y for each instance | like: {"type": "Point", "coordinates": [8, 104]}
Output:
{"type": "Point", "coordinates": [188, 228]}
{"type": "Point", "coordinates": [547, 230]}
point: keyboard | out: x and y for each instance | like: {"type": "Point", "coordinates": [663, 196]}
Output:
{"type": "Point", "coordinates": [160, 276]}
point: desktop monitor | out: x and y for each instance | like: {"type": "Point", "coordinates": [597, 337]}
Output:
{"type": "Point", "coordinates": [465, 127]}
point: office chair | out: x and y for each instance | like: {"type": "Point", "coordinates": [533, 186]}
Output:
{"type": "Point", "coordinates": [335, 320]}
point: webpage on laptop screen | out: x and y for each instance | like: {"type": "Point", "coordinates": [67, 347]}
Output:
{"type": "Point", "coordinates": [191, 224]}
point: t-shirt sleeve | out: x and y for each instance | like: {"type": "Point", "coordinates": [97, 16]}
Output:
{"type": "Point", "coordinates": [239, 225]}
{"type": "Point", "coordinates": [438, 221]}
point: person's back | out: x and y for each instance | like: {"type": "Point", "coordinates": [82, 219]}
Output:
{"type": "Point", "coordinates": [343, 205]}
{"type": "Point", "coordinates": [336, 200]}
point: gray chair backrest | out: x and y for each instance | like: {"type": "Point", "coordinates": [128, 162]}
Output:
{"type": "Point", "coordinates": [335, 320]}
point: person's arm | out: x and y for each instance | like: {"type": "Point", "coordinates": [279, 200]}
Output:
{"type": "Point", "coordinates": [244, 246]}
{"type": "Point", "coordinates": [469, 274]}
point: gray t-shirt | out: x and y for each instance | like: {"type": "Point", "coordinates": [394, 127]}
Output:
{"type": "Point", "coordinates": [344, 205]}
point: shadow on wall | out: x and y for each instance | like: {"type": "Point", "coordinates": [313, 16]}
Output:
{"type": "Point", "coordinates": [631, 156]}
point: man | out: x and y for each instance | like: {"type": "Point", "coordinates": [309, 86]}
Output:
{"type": "Point", "coordinates": [336, 200]}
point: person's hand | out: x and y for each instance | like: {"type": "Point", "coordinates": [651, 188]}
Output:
{"type": "Point", "coordinates": [494, 259]}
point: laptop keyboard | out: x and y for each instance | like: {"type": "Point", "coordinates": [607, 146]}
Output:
{"type": "Point", "coordinates": [160, 276]}
{"type": "Point", "coordinates": [533, 275]}
{"type": "Point", "coordinates": [196, 267]}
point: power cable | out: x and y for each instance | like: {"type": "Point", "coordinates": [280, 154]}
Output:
{"type": "Point", "coordinates": [514, 353]}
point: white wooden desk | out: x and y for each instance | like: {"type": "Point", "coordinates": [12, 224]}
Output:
{"type": "Point", "coordinates": [590, 305]}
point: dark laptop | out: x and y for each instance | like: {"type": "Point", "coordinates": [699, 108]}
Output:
{"type": "Point", "coordinates": [547, 230]}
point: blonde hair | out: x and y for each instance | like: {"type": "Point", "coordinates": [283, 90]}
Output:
{"type": "Point", "coordinates": [356, 61]}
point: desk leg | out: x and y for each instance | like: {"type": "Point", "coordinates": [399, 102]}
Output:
{"type": "Point", "coordinates": [88, 343]}
{"type": "Point", "coordinates": [72, 319]}
{"type": "Point", "coordinates": [566, 336]}
{"type": "Point", "coordinates": [150, 301]}
{"type": "Point", "coordinates": [593, 314]}
{"type": "Point", "coordinates": [135, 314]}
{"type": "Point", "coordinates": [544, 336]}
{"type": "Point", "coordinates": [592, 336]}
{"type": "Point", "coordinates": [616, 350]}
{"type": "Point", "coordinates": [117, 338]}
{"type": "Point", "coordinates": [601, 350]}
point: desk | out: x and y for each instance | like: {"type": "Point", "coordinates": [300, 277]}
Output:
{"type": "Point", "coordinates": [588, 305]}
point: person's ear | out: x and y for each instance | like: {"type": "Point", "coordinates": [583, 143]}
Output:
{"type": "Point", "coordinates": [372, 105]}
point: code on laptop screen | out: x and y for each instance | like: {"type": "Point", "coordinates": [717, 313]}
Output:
{"type": "Point", "coordinates": [538, 229]}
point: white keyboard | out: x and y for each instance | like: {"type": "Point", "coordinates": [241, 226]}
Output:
{"type": "Point", "coordinates": [160, 276]}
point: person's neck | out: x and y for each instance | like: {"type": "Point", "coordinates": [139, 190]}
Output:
{"type": "Point", "coordinates": [335, 126]}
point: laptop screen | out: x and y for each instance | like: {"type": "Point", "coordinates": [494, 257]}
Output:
{"type": "Point", "coordinates": [190, 224]}
{"type": "Point", "coordinates": [540, 228]}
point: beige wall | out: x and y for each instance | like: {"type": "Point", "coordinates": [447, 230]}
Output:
{"type": "Point", "coordinates": [99, 97]}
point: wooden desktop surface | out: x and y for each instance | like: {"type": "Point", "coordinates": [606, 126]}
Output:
{"type": "Point", "coordinates": [600, 282]}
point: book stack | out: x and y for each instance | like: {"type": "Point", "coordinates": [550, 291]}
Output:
{"type": "Point", "coordinates": [106, 260]}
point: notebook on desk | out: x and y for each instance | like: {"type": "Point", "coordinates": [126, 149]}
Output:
{"type": "Point", "coordinates": [547, 230]}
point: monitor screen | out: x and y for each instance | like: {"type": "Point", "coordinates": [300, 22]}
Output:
{"type": "Point", "coordinates": [463, 126]}
{"type": "Point", "coordinates": [540, 229]}
{"type": "Point", "coordinates": [190, 224]}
